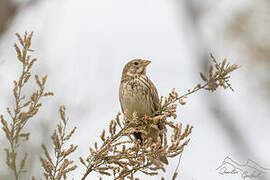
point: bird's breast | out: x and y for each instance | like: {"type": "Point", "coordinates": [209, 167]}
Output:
{"type": "Point", "coordinates": [135, 98]}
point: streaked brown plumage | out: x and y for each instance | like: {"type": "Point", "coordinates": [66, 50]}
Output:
{"type": "Point", "coordinates": [137, 93]}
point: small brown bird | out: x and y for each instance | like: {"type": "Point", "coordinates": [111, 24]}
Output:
{"type": "Point", "coordinates": [138, 94]}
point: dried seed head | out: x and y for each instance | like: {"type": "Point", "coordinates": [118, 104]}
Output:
{"type": "Point", "coordinates": [203, 77]}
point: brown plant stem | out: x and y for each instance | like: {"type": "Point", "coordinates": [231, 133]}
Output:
{"type": "Point", "coordinates": [104, 147]}
{"type": "Point", "coordinates": [182, 96]}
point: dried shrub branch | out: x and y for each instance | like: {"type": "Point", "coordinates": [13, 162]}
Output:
{"type": "Point", "coordinates": [218, 76]}
{"type": "Point", "coordinates": [25, 107]}
{"type": "Point", "coordinates": [61, 166]}
{"type": "Point", "coordinates": [121, 156]}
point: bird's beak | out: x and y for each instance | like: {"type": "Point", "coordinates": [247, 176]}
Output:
{"type": "Point", "coordinates": [146, 63]}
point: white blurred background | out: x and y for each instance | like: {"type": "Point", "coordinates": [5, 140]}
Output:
{"type": "Point", "coordinates": [83, 46]}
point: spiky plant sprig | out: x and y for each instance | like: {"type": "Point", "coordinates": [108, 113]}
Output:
{"type": "Point", "coordinates": [25, 107]}
{"type": "Point", "coordinates": [58, 166]}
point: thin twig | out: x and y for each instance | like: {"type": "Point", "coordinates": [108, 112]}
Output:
{"type": "Point", "coordinates": [178, 164]}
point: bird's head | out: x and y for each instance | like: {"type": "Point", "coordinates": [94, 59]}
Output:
{"type": "Point", "coordinates": [136, 67]}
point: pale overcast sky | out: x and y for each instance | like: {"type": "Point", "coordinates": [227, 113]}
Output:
{"type": "Point", "coordinates": [83, 46]}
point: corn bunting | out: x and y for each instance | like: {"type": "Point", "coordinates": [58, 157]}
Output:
{"type": "Point", "coordinates": [138, 94]}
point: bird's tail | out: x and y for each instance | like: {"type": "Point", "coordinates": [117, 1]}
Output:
{"type": "Point", "coordinates": [162, 158]}
{"type": "Point", "coordinates": [138, 135]}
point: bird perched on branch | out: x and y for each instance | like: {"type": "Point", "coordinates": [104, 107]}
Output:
{"type": "Point", "coordinates": [138, 94]}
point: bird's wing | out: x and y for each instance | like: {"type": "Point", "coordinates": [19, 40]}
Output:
{"type": "Point", "coordinates": [153, 94]}
{"type": "Point", "coordinates": [120, 96]}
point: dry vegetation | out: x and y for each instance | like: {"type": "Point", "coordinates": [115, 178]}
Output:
{"type": "Point", "coordinates": [119, 155]}
{"type": "Point", "coordinates": [25, 107]}
{"type": "Point", "coordinates": [58, 168]}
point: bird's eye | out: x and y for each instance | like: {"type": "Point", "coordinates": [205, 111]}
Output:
{"type": "Point", "coordinates": [136, 63]}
